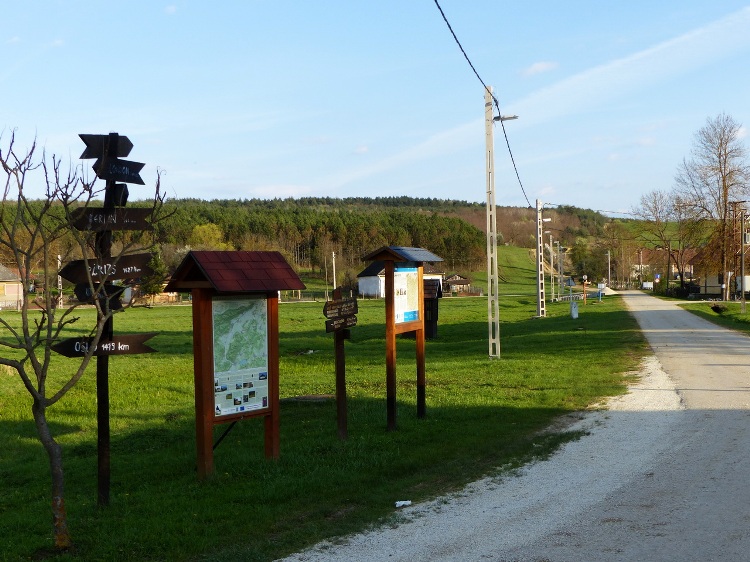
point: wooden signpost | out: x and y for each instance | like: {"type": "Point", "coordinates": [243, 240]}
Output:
{"type": "Point", "coordinates": [341, 316]}
{"type": "Point", "coordinates": [91, 276]}
{"type": "Point", "coordinates": [404, 312]}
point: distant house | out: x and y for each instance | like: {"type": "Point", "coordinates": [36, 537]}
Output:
{"type": "Point", "coordinates": [11, 288]}
{"type": "Point", "coordinates": [371, 280]}
{"type": "Point", "coordinates": [456, 283]}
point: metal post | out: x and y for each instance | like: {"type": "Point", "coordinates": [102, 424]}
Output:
{"type": "Point", "coordinates": [493, 306]}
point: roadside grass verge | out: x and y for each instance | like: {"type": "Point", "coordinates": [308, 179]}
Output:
{"type": "Point", "coordinates": [731, 317]}
{"type": "Point", "coordinates": [482, 415]}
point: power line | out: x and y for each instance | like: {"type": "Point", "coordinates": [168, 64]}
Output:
{"type": "Point", "coordinates": [497, 104]}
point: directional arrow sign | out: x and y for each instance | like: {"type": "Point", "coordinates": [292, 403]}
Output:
{"type": "Point", "coordinates": [97, 219]}
{"type": "Point", "coordinates": [339, 308]}
{"type": "Point", "coordinates": [95, 145]}
{"type": "Point", "coordinates": [119, 170]}
{"type": "Point", "coordinates": [125, 344]}
{"type": "Point", "coordinates": [340, 323]}
{"type": "Point", "coordinates": [84, 293]}
{"type": "Point", "coordinates": [127, 267]}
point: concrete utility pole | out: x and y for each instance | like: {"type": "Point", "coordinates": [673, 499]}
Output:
{"type": "Point", "coordinates": [541, 311]}
{"type": "Point", "coordinates": [742, 261]}
{"type": "Point", "coordinates": [609, 268]}
{"type": "Point", "coordinates": [493, 306]}
{"type": "Point", "coordinates": [333, 254]}
{"type": "Point", "coordinates": [551, 270]}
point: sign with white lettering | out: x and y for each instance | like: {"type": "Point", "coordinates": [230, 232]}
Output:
{"type": "Point", "coordinates": [126, 267]}
{"type": "Point", "coordinates": [123, 344]}
{"type": "Point", "coordinates": [121, 218]}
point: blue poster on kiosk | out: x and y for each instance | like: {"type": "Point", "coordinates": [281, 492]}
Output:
{"type": "Point", "coordinates": [406, 293]}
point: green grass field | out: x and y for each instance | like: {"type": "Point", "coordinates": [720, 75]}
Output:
{"type": "Point", "coordinates": [483, 416]}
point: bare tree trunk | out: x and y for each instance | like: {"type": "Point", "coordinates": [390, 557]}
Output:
{"type": "Point", "coordinates": [54, 452]}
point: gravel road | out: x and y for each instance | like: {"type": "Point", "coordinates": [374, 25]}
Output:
{"type": "Point", "coordinates": [664, 473]}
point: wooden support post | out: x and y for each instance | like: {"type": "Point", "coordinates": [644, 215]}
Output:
{"type": "Point", "coordinates": [204, 391]}
{"type": "Point", "coordinates": [390, 345]}
{"type": "Point", "coordinates": [271, 420]}
{"type": "Point", "coordinates": [338, 341]}
{"type": "Point", "coordinates": [421, 400]}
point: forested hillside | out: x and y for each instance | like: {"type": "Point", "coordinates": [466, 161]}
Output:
{"type": "Point", "coordinates": [309, 230]}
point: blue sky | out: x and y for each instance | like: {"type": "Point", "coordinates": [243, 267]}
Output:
{"type": "Point", "coordinates": [274, 98]}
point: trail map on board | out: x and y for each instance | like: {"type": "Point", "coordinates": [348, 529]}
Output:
{"type": "Point", "coordinates": [240, 355]}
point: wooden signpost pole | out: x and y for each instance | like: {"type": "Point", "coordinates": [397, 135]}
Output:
{"type": "Point", "coordinates": [338, 341]}
{"type": "Point", "coordinates": [390, 346]}
{"type": "Point", "coordinates": [107, 149]}
{"type": "Point", "coordinates": [104, 252]}
{"type": "Point", "coordinates": [341, 314]}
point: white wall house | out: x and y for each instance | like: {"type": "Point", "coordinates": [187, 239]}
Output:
{"type": "Point", "coordinates": [371, 280]}
{"type": "Point", "coordinates": [11, 289]}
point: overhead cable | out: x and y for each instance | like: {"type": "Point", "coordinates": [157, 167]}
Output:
{"type": "Point", "coordinates": [494, 99]}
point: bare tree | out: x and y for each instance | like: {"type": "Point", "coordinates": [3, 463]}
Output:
{"type": "Point", "coordinates": [715, 176]}
{"type": "Point", "coordinates": [672, 224]}
{"type": "Point", "coordinates": [34, 233]}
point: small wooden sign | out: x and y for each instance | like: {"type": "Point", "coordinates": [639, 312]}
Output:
{"type": "Point", "coordinates": [119, 170]}
{"type": "Point", "coordinates": [127, 267]}
{"type": "Point", "coordinates": [336, 324]}
{"type": "Point", "coordinates": [111, 293]}
{"type": "Point", "coordinates": [340, 308]}
{"type": "Point", "coordinates": [123, 344]}
{"type": "Point", "coordinates": [121, 218]}
{"type": "Point", "coordinates": [95, 145]}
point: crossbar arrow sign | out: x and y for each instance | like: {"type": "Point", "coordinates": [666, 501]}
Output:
{"type": "Point", "coordinates": [97, 219]}
{"type": "Point", "coordinates": [123, 344]}
{"type": "Point", "coordinates": [131, 266]}
{"type": "Point", "coordinates": [95, 145]}
{"type": "Point", "coordinates": [119, 170]}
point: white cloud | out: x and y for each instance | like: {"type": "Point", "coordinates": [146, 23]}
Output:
{"type": "Point", "coordinates": [619, 78]}
{"type": "Point", "coordinates": [539, 68]}
{"type": "Point", "coordinates": [363, 149]}
{"type": "Point", "coordinates": [170, 10]}
{"type": "Point", "coordinates": [439, 144]}
{"type": "Point", "coordinates": [742, 132]}
{"type": "Point", "coordinates": [13, 40]}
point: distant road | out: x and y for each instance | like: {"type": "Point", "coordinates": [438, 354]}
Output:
{"type": "Point", "coordinates": [663, 476]}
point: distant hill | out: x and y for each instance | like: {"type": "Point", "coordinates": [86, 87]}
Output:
{"type": "Point", "coordinates": [309, 230]}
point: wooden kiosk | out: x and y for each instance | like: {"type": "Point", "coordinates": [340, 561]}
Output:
{"type": "Point", "coordinates": [235, 340]}
{"type": "Point", "coordinates": [404, 312]}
